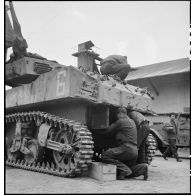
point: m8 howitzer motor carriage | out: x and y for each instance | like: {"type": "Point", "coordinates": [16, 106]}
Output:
{"type": "Point", "coordinates": [53, 112]}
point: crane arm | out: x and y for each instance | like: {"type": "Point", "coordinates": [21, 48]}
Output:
{"type": "Point", "coordinates": [14, 36]}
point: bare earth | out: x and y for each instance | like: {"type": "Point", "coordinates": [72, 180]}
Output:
{"type": "Point", "coordinates": [164, 177]}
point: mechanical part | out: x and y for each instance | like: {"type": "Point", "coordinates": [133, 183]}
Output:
{"type": "Point", "coordinates": [65, 159]}
{"type": "Point", "coordinates": [79, 152]}
{"type": "Point", "coordinates": [151, 146]}
{"type": "Point", "coordinates": [36, 152]}
{"type": "Point", "coordinates": [43, 133]}
{"type": "Point", "coordinates": [52, 133]}
{"type": "Point", "coordinates": [14, 36]}
{"type": "Point", "coordinates": [12, 156]}
{"type": "Point", "coordinates": [24, 148]}
{"type": "Point", "coordinates": [15, 144]}
{"type": "Point", "coordinates": [41, 68]}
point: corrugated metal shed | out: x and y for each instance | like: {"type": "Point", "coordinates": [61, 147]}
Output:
{"type": "Point", "coordinates": [160, 69]}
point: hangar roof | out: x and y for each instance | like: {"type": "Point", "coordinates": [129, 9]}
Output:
{"type": "Point", "coordinates": [160, 69]}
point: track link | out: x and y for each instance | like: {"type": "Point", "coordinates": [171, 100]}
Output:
{"type": "Point", "coordinates": [85, 145]}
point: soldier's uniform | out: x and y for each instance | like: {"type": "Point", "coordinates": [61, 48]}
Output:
{"type": "Point", "coordinates": [115, 64]}
{"type": "Point", "coordinates": [172, 137]}
{"type": "Point", "coordinates": [143, 131]}
{"type": "Point", "coordinates": [125, 155]}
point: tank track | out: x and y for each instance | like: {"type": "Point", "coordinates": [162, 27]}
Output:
{"type": "Point", "coordinates": [86, 144]}
{"type": "Point", "coordinates": [151, 146]}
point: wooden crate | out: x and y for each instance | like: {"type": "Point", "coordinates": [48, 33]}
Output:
{"type": "Point", "coordinates": [102, 171]}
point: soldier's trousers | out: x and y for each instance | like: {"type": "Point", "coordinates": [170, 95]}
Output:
{"type": "Point", "coordinates": [142, 134]}
{"type": "Point", "coordinates": [138, 170]}
{"type": "Point", "coordinates": [122, 156]}
{"type": "Point", "coordinates": [171, 148]}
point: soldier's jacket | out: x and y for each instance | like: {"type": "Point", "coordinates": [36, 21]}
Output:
{"type": "Point", "coordinates": [172, 134]}
{"type": "Point", "coordinates": [124, 130]}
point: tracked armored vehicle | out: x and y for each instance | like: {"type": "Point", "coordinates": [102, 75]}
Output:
{"type": "Point", "coordinates": [53, 112]}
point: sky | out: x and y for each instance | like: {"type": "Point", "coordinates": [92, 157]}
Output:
{"type": "Point", "coordinates": [146, 32]}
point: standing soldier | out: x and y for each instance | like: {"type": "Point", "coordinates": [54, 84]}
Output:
{"type": "Point", "coordinates": [172, 137]}
{"type": "Point", "coordinates": [143, 131]}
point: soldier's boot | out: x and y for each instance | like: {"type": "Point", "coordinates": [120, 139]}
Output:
{"type": "Point", "coordinates": [165, 154]}
{"type": "Point", "coordinates": [164, 157]}
{"type": "Point", "coordinates": [138, 170]}
{"type": "Point", "coordinates": [125, 173]}
{"type": "Point", "coordinates": [121, 175]}
{"type": "Point", "coordinates": [177, 158]}
{"type": "Point", "coordinates": [146, 173]}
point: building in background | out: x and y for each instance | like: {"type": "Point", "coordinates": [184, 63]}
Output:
{"type": "Point", "coordinates": [169, 82]}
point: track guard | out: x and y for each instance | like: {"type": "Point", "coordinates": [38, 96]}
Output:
{"type": "Point", "coordinates": [161, 142]}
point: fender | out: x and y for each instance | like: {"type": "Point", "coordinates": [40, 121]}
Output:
{"type": "Point", "coordinates": [161, 142]}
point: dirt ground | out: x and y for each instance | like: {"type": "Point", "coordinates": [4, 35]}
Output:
{"type": "Point", "coordinates": [164, 177]}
